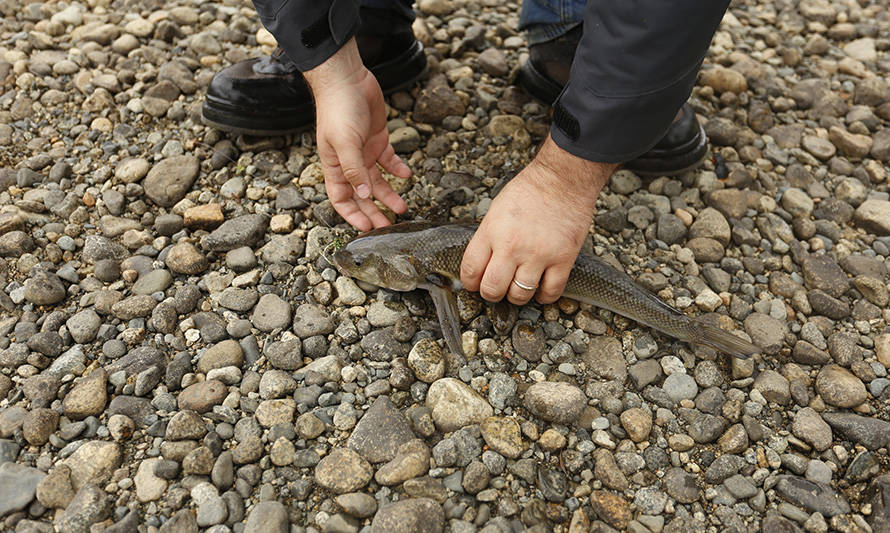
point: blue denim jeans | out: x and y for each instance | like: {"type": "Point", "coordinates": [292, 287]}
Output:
{"type": "Point", "coordinates": [541, 20]}
{"type": "Point", "coordinates": [545, 20]}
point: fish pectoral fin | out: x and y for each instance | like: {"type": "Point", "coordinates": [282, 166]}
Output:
{"type": "Point", "coordinates": [449, 319]}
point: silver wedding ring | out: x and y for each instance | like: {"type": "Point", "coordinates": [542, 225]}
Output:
{"type": "Point", "coordinates": [524, 286]}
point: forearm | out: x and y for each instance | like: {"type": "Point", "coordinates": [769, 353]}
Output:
{"type": "Point", "coordinates": [578, 179]}
{"type": "Point", "coordinates": [345, 66]}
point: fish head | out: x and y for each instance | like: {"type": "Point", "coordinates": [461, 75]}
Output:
{"type": "Point", "coordinates": [373, 261]}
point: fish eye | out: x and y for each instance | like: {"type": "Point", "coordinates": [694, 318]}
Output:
{"type": "Point", "coordinates": [357, 261]}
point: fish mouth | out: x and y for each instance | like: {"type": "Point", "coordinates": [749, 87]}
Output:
{"type": "Point", "coordinates": [332, 259]}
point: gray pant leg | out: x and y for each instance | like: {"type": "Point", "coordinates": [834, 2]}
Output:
{"type": "Point", "coordinates": [635, 67]}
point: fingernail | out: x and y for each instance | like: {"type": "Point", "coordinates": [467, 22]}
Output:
{"type": "Point", "coordinates": [363, 191]}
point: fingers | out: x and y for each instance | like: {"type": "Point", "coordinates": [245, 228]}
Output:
{"type": "Point", "coordinates": [352, 166]}
{"type": "Point", "coordinates": [383, 192]}
{"type": "Point", "coordinates": [475, 259]}
{"type": "Point", "coordinates": [393, 163]}
{"type": "Point", "coordinates": [341, 195]}
{"type": "Point", "coordinates": [497, 278]}
{"type": "Point", "coordinates": [553, 283]}
{"type": "Point", "coordinates": [527, 275]}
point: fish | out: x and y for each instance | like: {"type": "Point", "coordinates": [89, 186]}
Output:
{"type": "Point", "coordinates": [422, 255]}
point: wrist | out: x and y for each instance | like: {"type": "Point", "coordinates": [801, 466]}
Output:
{"type": "Point", "coordinates": [345, 66]}
{"type": "Point", "coordinates": [575, 176]}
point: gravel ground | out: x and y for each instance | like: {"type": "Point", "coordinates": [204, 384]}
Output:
{"type": "Point", "coordinates": [175, 355]}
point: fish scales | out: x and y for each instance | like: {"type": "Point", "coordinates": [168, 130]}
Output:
{"type": "Point", "coordinates": [422, 255]}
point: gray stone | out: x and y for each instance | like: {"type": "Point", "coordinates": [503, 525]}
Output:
{"type": "Point", "coordinates": [90, 505]}
{"type": "Point", "coordinates": [555, 401]}
{"type": "Point", "coordinates": [170, 179]}
{"type": "Point", "coordinates": [766, 332]}
{"type": "Point", "coordinates": [88, 396]}
{"type": "Point", "coordinates": [84, 326]}
{"type": "Point", "coordinates": [44, 288]}
{"type": "Point", "coordinates": [455, 405]}
{"type": "Point", "coordinates": [357, 504]}
{"type": "Point", "coordinates": [94, 462]}
{"type": "Point", "coordinates": [810, 427]}
{"type": "Point", "coordinates": [681, 485]}
{"type": "Point", "coordinates": [416, 515]}
{"type": "Point", "coordinates": [380, 432]}
{"type": "Point", "coordinates": [152, 282]}
{"type": "Point", "coordinates": [680, 386]}
{"type": "Point", "coordinates": [870, 432]}
{"type": "Point", "coordinates": [874, 215]}
{"type": "Point", "coordinates": [312, 319]}
{"type": "Point", "coordinates": [18, 485]}
{"type": "Point", "coordinates": [822, 272]}
{"type": "Point", "coordinates": [343, 470]}
{"type": "Point", "coordinates": [137, 360]}
{"type": "Point", "coordinates": [267, 516]}
{"type": "Point", "coordinates": [246, 230]}
{"type": "Point", "coordinates": [839, 387]}
{"type": "Point", "coordinates": [812, 496]}
{"type": "Point", "coordinates": [223, 354]}
{"type": "Point", "coordinates": [271, 313]}
{"type": "Point", "coordinates": [286, 355]}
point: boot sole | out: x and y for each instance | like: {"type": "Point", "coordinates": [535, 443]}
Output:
{"type": "Point", "coordinates": [410, 66]}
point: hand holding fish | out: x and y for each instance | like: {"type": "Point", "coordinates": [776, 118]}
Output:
{"type": "Point", "coordinates": [527, 243]}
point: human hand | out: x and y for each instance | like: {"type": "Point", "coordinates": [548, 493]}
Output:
{"type": "Point", "coordinates": [352, 139]}
{"type": "Point", "coordinates": [534, 228]}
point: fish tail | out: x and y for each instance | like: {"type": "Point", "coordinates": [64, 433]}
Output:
{"type": "Point", "coordinates": [720, 339]}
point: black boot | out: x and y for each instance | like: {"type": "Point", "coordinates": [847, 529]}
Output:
{"type": "Point", "coordinates": [269, 96]}
{"type": "Point", "coordinates": [546, 72]}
